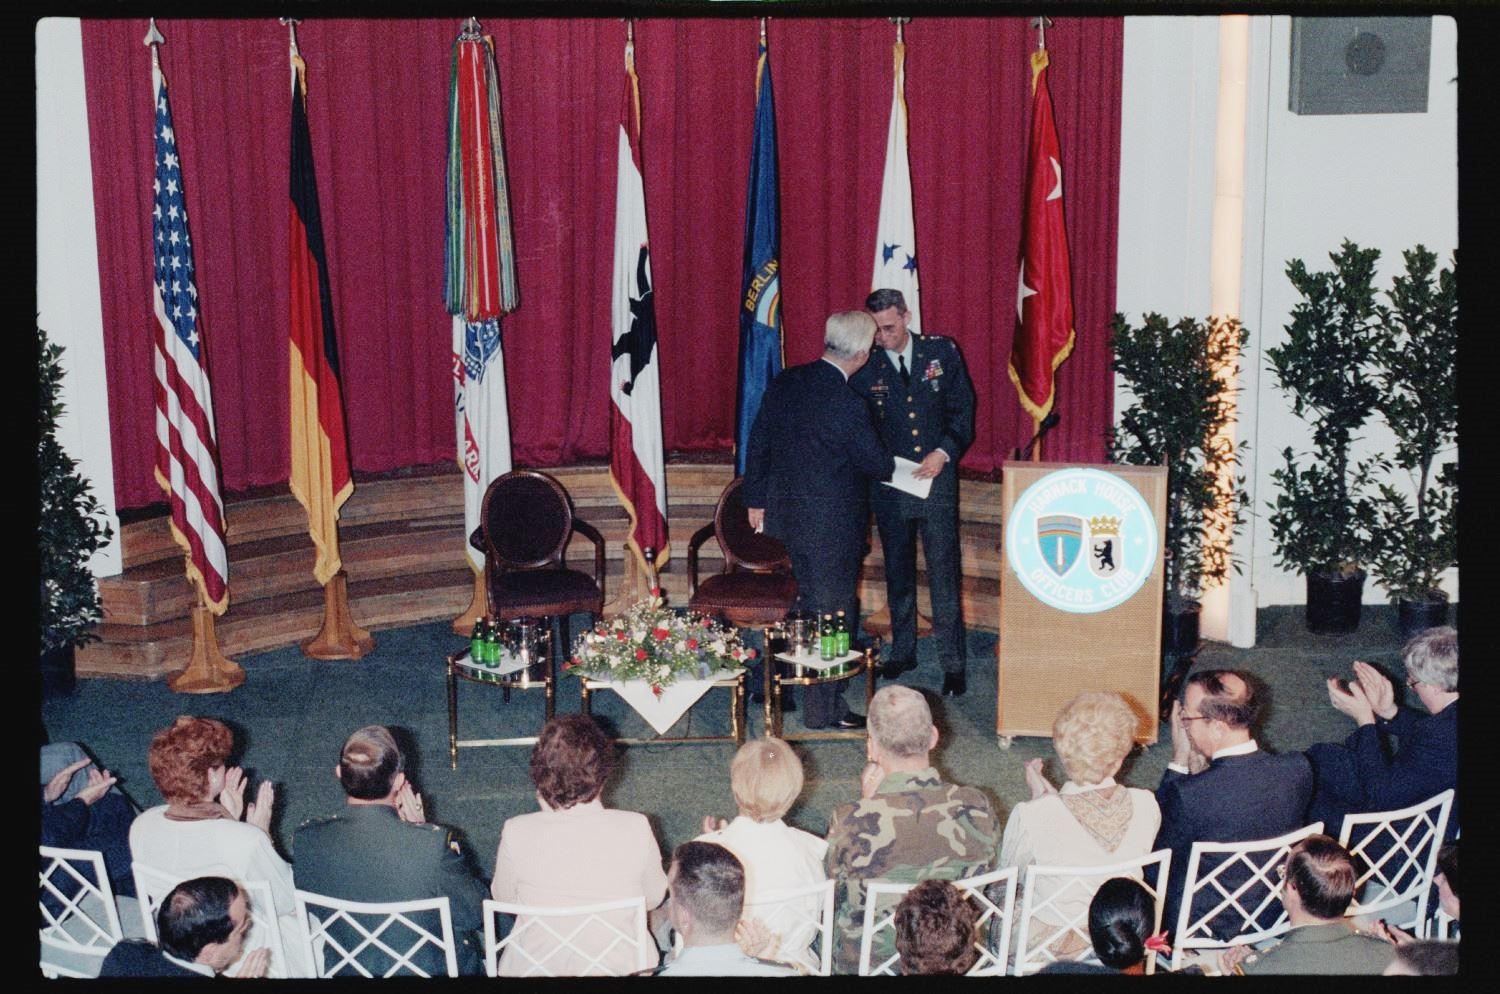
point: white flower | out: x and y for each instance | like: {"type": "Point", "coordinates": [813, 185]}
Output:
{"type": "Point", "coordinates": [664, 671]}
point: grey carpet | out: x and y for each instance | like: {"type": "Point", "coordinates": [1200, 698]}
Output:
{"type": "Point", "coordinates": [293, 713]}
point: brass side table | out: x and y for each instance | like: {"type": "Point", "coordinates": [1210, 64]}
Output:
{"type": "Point", "coordinates": [538, 675]}
{"type": "Point", "coordinates": [785, 669]}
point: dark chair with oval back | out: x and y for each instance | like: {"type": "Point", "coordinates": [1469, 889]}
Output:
{"type": "Point", "coordinates": [756, 588]}
{"type": "Point", "coordinates": [526, 522]}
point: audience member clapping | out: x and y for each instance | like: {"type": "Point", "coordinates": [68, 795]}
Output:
{"type": "Point", "coordinates": [1092, 821]}
{"type": "Point", "coordinates": [707, 886]}
{"type": "Point", "coordinates": [198, 832]}
{"type": "Point", "coordinates": [82, 809]}
{"type": "Point", "coordinates": [935, 930]}
{"type": "Point", "coordinates": [202, 924]}
{"type": "Point", "coordinates": [575, 851]}
{"type": "Point", "coordinates": [766, 778]}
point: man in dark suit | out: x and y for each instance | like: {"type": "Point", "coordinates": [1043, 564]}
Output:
{"type": "Point", "coordinates": [1220, 786]}
{"type": "Point", "coordinates": [381, 848]}
{"type": "Point", "coordinates": [1364, 773]}
{"type": "Point", "coordinates": [923, 403]}
{"type": "Point", "coordinates": [202, 924]}
{"type": "Point", "coordinates": [812, 451]}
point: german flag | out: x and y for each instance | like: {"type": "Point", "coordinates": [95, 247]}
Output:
{"type": "Point", "coordinates": [320, 476]}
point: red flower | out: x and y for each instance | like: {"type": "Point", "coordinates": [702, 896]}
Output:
{"type": "Point", "coordinates": [640, 654]}
{"type": "Point", "coordinates": [660, 634]}
{"type": "Point", "coordinates": [692, 643]}
{"type": "Point", "coordinates": [736, 654]}
{"type": "Point", "coordinates": [655, 591]}
{"type": "Point", "coordinates": [656, 689]}
{"type": "Point", "coordinates": [570, 663]}
{"type": "Point", "coordinates": [707, 622]}
{"type": "Point", "coordinates": [751, 653]}
{"type": "Point", "coordinates": [619, 636]}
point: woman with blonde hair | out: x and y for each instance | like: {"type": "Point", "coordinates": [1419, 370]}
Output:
{"type": "Point", "coordinates": [1092, 820]}
{"type": "Point", "coordinates": [766, 778]}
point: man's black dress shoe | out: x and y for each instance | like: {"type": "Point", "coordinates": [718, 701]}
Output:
{"type": "Point", "coordinates": [850, 720]}
{"type": "Point", "coordinates": [954, 685]}
{"type": "Point", "coordinates": [895, 667]}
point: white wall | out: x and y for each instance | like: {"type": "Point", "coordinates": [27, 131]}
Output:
{"type": "Point", "coordinates": [1386, 181]}
{"type": "Point", "coordinates": [67, 263]}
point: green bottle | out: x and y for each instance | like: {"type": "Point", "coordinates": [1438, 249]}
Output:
{"type": "Point", "coordinates": [827, 638]}
{"type": "Point", "coordinates": [492, 645]}
{"type": "Point", "coordinates": [841, 635]}
{"type": "Point", "coordinates": [476, 643]}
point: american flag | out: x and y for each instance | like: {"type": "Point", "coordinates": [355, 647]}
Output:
{"type": "Point", "coordinates": [187, 454]}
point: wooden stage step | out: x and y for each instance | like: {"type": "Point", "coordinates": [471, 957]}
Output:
{"type": "Point", "coordinates": [402, 542]}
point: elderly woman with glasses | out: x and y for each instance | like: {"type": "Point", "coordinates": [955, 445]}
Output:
{"type": "Point", "coordinates": [1091, 821]}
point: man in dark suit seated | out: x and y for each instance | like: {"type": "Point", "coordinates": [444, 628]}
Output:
{"type": "Point", "coordinates": [202, 925]}
{"type": "Point", "coordinates": [1365, 772]}
{"type": "Point", "coordinates": [1221, 787]}
{"type": "Point", "coordinates": [381, 848]}
{"type": "Point", "coordinates": [813, 450]}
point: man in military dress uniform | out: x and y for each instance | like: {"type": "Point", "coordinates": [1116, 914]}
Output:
{"type": "Point", "coordinates": [381, 848]}
{"type": "Point", "coordinates": [908, 826]}
{"type": "Point", "coordinates": [923, 404]}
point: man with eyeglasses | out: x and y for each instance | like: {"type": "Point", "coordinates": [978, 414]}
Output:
{"type": "Point", "coordinates": [1220, 785]}
{"type": "Point", "coordinates": [1368, 772]}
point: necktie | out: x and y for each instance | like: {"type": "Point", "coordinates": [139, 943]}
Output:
{"type": "Point", "coordinates": [905, 373]}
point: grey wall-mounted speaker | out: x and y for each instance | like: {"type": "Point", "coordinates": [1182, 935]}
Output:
{"type": "Point", "coordinates": [1360, 65]}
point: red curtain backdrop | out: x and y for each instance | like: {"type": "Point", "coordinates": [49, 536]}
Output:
{"type": "Point", "coordinates": [377, 102]}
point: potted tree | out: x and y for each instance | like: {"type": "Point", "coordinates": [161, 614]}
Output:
{"type": "Point", "coordinates": [1321, 520]}
{"type": "Point", "coordinates": [70, 530]}
{"type": "Point", "coordinates": [1181, 377]}
{"type": "Point", "coordinates": [1415, 367]}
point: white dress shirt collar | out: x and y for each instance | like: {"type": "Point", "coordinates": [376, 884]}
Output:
{"type": "Point", "coordinates": [1243, 749]}
{"type": "Point", "coordinates": [911, 347]}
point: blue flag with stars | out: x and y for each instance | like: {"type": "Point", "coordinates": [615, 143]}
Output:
{"type": "Point", "coordinates": [896, 232]}
{"type": "Point", "coordinates": [760, 285]}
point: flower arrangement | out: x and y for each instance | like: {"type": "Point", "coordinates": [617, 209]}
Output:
{"type": "Point", "coordinates": [653, 643]}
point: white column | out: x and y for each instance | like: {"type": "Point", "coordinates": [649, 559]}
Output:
{"type": "Point", "coordinates": [67, 263]}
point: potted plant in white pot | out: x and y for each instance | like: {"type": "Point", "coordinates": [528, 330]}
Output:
{"type": "Point", "coordinates": [1182, 382]}
{"type": "Point", "coordinates": [1321, 520]}
{"type": "Point", "coordinates": [1416, 368]}
{"type": "Point", "coordinates": [70, 530]}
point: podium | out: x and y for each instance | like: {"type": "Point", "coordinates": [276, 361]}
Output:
{"type": "Point", "coordinates": [1081, 586]}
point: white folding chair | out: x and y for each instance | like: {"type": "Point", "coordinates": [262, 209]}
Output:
{"type": "Point", "coordinates": [575, 941]}
{"type": "Point", "coordinates": [1398, 850]}
{"type": "Point", "coordinates": [1245, 884]}
{"type": "Point", "coordinates": [1053, 894]}
{"type": "Point", "coordinates": [152, 885]}
{"type": "Point", "coordinates": [801, 916]}
{"type": "Point", "coordinates": [992, 930]}
{"type": "Point", "coordinates": [79, 923]}
{"type": "Point", "coordinates": [1443, 926]}
{"type": "Point", "coordinates": [344, 935]}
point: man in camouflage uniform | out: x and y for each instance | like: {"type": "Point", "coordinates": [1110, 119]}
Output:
{"type": "Point", "coordinates": [908, 826]}
{"type": "Point", "coordinates": [381, 848]}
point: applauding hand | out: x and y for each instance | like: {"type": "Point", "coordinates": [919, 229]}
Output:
{"type": "Point", "coordinates": [409, 805]}
{"type": "Point", "coordinates": [259, 812]}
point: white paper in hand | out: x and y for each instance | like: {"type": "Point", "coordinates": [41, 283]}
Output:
{"type": "Point", "coordinates": [903, 480]}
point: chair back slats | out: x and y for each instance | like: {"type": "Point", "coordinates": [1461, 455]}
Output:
{"type": "Point", "coordinates": [1234, 888]}
{"type": "Point", "coordinates": [1397, 852]}
{"type": "Point", "coordinates": [741, 545]}
{"type": "Point", "coordinates": [1061, 894]}
{"type": "Point", "coordinates": [79, 923]}
{"type": "Point", "coordinates": [993, 893]}
{"type": "Point", "coordinates": [386, 939]}
{"type": "Point", "coordinates": [579, 940]}
{"type": "Point", "coordinates": [527, 519]}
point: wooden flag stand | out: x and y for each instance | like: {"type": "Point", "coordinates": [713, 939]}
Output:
{"type": "Point", "coordinates": [478, 608]}
{"type": "Point", "coordinates": [208, 671]}
{"type": "Point", "coordinates": [340, 637]}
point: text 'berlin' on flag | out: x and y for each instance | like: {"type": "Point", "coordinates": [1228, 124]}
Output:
{"type": "Point", "coordinates": [187, 451]}
{"type": "Point", "coordinates": [479, 265]}
{"type": "Point", "coordinates": [1044, 296]}
{"type": "Point", "coordinates": [896, 231]}
{"type": "Point", "coordinates": [760, 284]}
{"type": "Point", "coordinates": [320, 477]}
{"type": "Point", "coordinates": [636, 467]}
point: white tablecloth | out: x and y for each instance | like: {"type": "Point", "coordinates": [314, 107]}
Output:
{"type": "Point", "coordinates": [664, 711]}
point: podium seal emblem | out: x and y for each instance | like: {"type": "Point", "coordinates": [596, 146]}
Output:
{"type": "Point", "coordinates": [1081, 540]}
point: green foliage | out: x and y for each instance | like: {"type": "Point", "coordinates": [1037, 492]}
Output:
{"type": "Point", "coordinates": [1415, 362]}
{"type": "Point", "coordinates": [1321, 520]}
{"type": "Point", "coordinates": [1181, 377]}
{"type": "Point", "coordinates": [71, 527]}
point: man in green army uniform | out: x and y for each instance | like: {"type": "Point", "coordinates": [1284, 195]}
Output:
{"type": "Point", "coordinates": [381, 848]}
{"type": "Point", "coordinates": [908, 826]}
